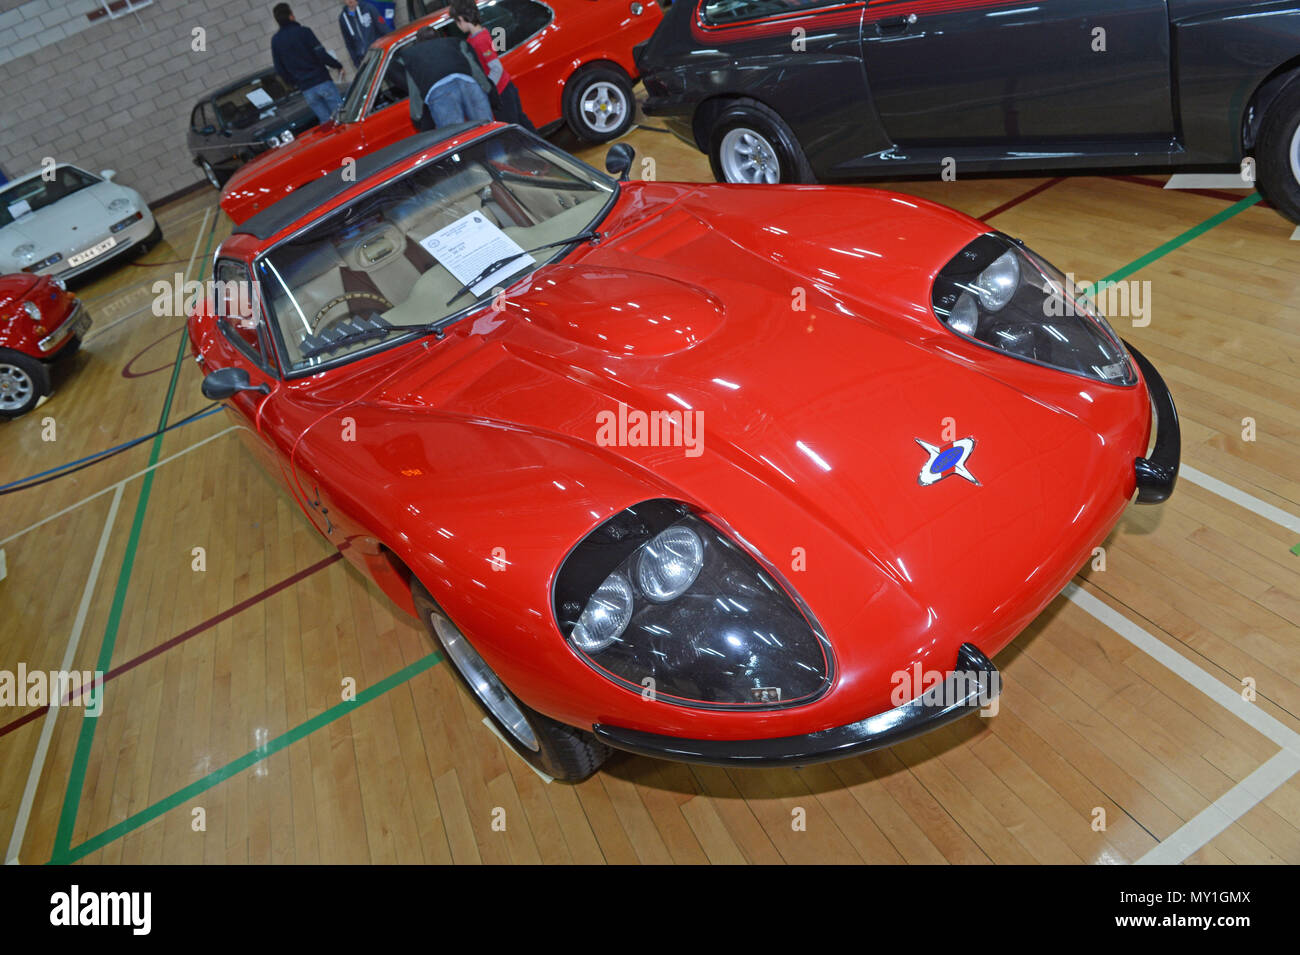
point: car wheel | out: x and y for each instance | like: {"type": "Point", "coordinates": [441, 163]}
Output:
{"type": "Point", "coordinates": [1277, 152]}
{"type": "Point", "coordinates": [751, 143]}
{"type": "Point", "coordinates": [598, 104]}
{"type": "Point", "coordinates": [561, 752]}
{"type": "Point", "coordinates": [214, 178]}
{"type": "Point", "coordinates": [23, 381]}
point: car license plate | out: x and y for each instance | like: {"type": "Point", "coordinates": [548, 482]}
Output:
{"type": "Point", "coordinates": [86, 255]}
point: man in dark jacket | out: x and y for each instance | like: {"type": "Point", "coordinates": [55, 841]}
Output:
{"type": "Point", "coordinates": [298, 56]}
{"type": "Point", "coordinates": [445, 82]}
{"type": "Point", "coordinates": [361, 25]}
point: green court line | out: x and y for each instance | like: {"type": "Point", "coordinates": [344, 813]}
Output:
{"type": "Point", "coordinates": [1175, 243]}
{"type": "Point", "coordinates": [249, 759]}
{"type": "Point", "coordinates": [81, 759]}
{"type": "Point", "coordinates": [1296, 550]}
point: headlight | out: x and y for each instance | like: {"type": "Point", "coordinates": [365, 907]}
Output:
{"type": "Point", "coordinates": [657, 599]}
{"type": "Point", "coordinates": [25, 251]}
{"type": "Point", "coordinates": [1005, 297]}
{"type": "Point", "coordinates": [120, 204]}
{"type": "Point", "coordinates": [33, 311]}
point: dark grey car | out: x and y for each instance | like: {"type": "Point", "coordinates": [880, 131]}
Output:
{"type": "Point", "coordinates": [236, 122]}
{"type": "Point", "coordinates": [833, 90]}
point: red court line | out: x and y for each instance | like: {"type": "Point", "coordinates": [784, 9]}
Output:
{"type": "Point", "coordinates": [1012, 203]}
{"type": "Point", "coordinates": [182, 637]}
{"type": "Point", "coordinates": [1208, 193]}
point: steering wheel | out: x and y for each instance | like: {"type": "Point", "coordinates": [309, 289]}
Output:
{"type": "Point", "coordinates": [330, 313]}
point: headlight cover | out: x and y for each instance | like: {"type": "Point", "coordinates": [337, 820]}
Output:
{"type": "Point", "coordinates": [120, 204]}
{"type": "Point", "coordinates": [1002, 296]}
{"type": "Point", "coordinates": [33, 311]}
{"type": "Point", "coordinates": [657, 599]}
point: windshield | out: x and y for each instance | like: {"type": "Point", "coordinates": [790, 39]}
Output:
{"type": "Point", "coordinates": [402, 254]}
{"type": "Point", "coordinates": [354, 101]}
{"type": "Point", "coordinates": [38, 192]}
{"type": "Point", "coordinates": [245, 105]}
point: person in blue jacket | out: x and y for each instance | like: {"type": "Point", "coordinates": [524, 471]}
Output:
{"type": "Point", "coordinates": [299, 57]}
{"type": "Point", "coordinates": [361, 25]}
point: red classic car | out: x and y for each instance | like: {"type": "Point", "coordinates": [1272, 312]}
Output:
{"type": "Point", "coordinates": [40, 321]}
{"type": "Point", "coordinates": [570, 59]}
{"type": "Point", "coordinates": [735, 474]}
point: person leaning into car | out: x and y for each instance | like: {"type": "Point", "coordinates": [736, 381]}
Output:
{"type": "Point", "coordinates": [298, 56]}
{"type": "Point", "coordinates": [361, 25]}
{"type": "Point", "coordinates": [466, 15]}
{"type": "Point", "coordinates": [445, 83]}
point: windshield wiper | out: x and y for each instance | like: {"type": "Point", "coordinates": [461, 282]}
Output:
{"type": "Point", "coordinates": [590, 235]}
{"type": "Point", "coordinates": [347, 332]}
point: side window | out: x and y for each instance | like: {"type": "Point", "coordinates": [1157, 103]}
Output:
{"type": "Point", "coordinates": [196, 118]}
{"type": "Point", "coordinates": [239, 311]}
{"type": "Point", "coordinates": [392, 88]}
{"type": "Point", "coordinates": [519, 18]}
{"type": "Point", "coordinates": [730, 11]}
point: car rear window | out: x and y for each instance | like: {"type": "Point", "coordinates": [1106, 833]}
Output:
{"type": "Point", "coordinates": [245, 105]}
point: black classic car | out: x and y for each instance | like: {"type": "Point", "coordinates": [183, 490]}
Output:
{"type": "Point", "coordinates": [820, 90]}
{"type": "Point", "coordinates": [251, 115]}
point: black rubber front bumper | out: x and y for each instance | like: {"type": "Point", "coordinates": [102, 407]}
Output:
{"type": "Point", "coordinates": [1157, 474]}
{"type": "Point", "coordinates": [972, 684]}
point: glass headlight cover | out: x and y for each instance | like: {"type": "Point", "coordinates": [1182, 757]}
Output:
{"type": "Point", "coordinates": [1001, 296]}
{"type": "Point", "coordinates": [708, 626]}
{"type": "Point", "coordinates": [33, 311]}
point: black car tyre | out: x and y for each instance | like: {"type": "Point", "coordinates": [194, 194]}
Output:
{"type": "Point", "coordinates": [751, 143]}
{"type": "Point", "coordinates": [561, 752]}
{"type": "Point", "coordinates": [1277, 152]}
{"type": "Point", "coordinates": [23, 381]}
{"type": "Point", "coordinates": [598, 103]}
{"type": "Point", "coordinates": [215, 179]}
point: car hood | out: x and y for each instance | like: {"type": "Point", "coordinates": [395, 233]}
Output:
{"type": "Point", "coordinates": [15, 288]}
{"type": "Point", "coordinates": [277, 172]}
{"type": "Point", "coordinates": [292, 112]}
{"type": "Point", "coordinates": [800, 360]}
{"type": "Point", "coordinates": [68, 225]}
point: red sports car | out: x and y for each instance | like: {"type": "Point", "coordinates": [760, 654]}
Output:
{"type": "Point", "coordinates": [40, 321]}
{"type": "Point", "coordinates": [735, 474]}
{"type": "Point", "coordinates": [570, 59]}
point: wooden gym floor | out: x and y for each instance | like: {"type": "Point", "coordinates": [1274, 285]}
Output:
{"type": "Point", "coordinates": [1122, 736]}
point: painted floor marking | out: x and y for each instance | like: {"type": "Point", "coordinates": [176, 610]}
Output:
{"type": "Point", "coordinates": [69, 656]}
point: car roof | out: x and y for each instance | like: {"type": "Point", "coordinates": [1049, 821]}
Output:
{"type": "Point", "coordinates": [401, 33]}
{"type": "Point", "coordinates": [36, 172]}
{"type": "Point", "coordinates": [236, 84]}
{"type": "Point", "coordinates": [318, 192]}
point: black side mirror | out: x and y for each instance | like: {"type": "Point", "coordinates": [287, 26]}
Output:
{"type": "Point", "coordinates": [618, 161]}
{"type": "Point", "coordinates": [208, 131]}
{"type": "Point", "coordinates": [225, 382]}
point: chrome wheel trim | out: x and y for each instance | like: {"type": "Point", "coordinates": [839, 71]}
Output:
{"type": "Point", "coordinates": [211, 175]}
{"type": "Point", "coordinates": [16, 387]}
{"type": "Point", "coordinates": [747, 156]}
{"type": "Point", "coordinates": [603, 106]}
{"type": "Point", "coordinates": [1294, 154]}
{"type": "Point", "coordinates": [493, 694]}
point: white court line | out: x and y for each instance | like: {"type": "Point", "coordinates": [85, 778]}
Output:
{"type": "Point", "coordinates": [1224, 811]}
{"type": "Point", "coordinates": [1296, 234]}
{"type": "Point", "coordinates": [69, 655]}
{"type": "Point", "coordinates": [1250, 791]}
{"type": "Point", "coordinates": [1240, 498]}
{"type": "Point", "coordinates": [131, 477]}
{"type": "Point", "coordinates": [1213, 180]}
{"type": "Point", "coordinates": [513, 752]}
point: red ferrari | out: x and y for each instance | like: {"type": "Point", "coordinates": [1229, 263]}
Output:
{"type": "Point", "coordinates": [570, 59]}
{"type": "Point", "coordinates": [40, 322]}
{"type": "Point", "coordinates": [733, 474]}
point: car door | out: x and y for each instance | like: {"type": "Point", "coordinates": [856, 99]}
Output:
{"type": "Point", "coordinates": [243, 343]}
{"type": "Point", "coordinates": [1003, 72]}
{"type": "Point", "coordinates": [202, 131]}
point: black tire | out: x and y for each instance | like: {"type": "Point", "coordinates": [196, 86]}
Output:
{"type": "Point", "coordinates": [1277, 152]}
{"type": "Point", "coordinates": [584, 90]}
{"type": "Point", "coordinates": [216, 179]}
{"type": "Point", "coordinates": [152, 239]}
{"type": "Point", "coordinates": [23, 382]}
{"type": "Point", "coordinates": [762, 122]}
{"type": "Point", "coordinates": [563, 752]}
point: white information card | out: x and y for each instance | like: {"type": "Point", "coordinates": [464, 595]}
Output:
{"type": "Point", "coordinates": [471, 244]}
